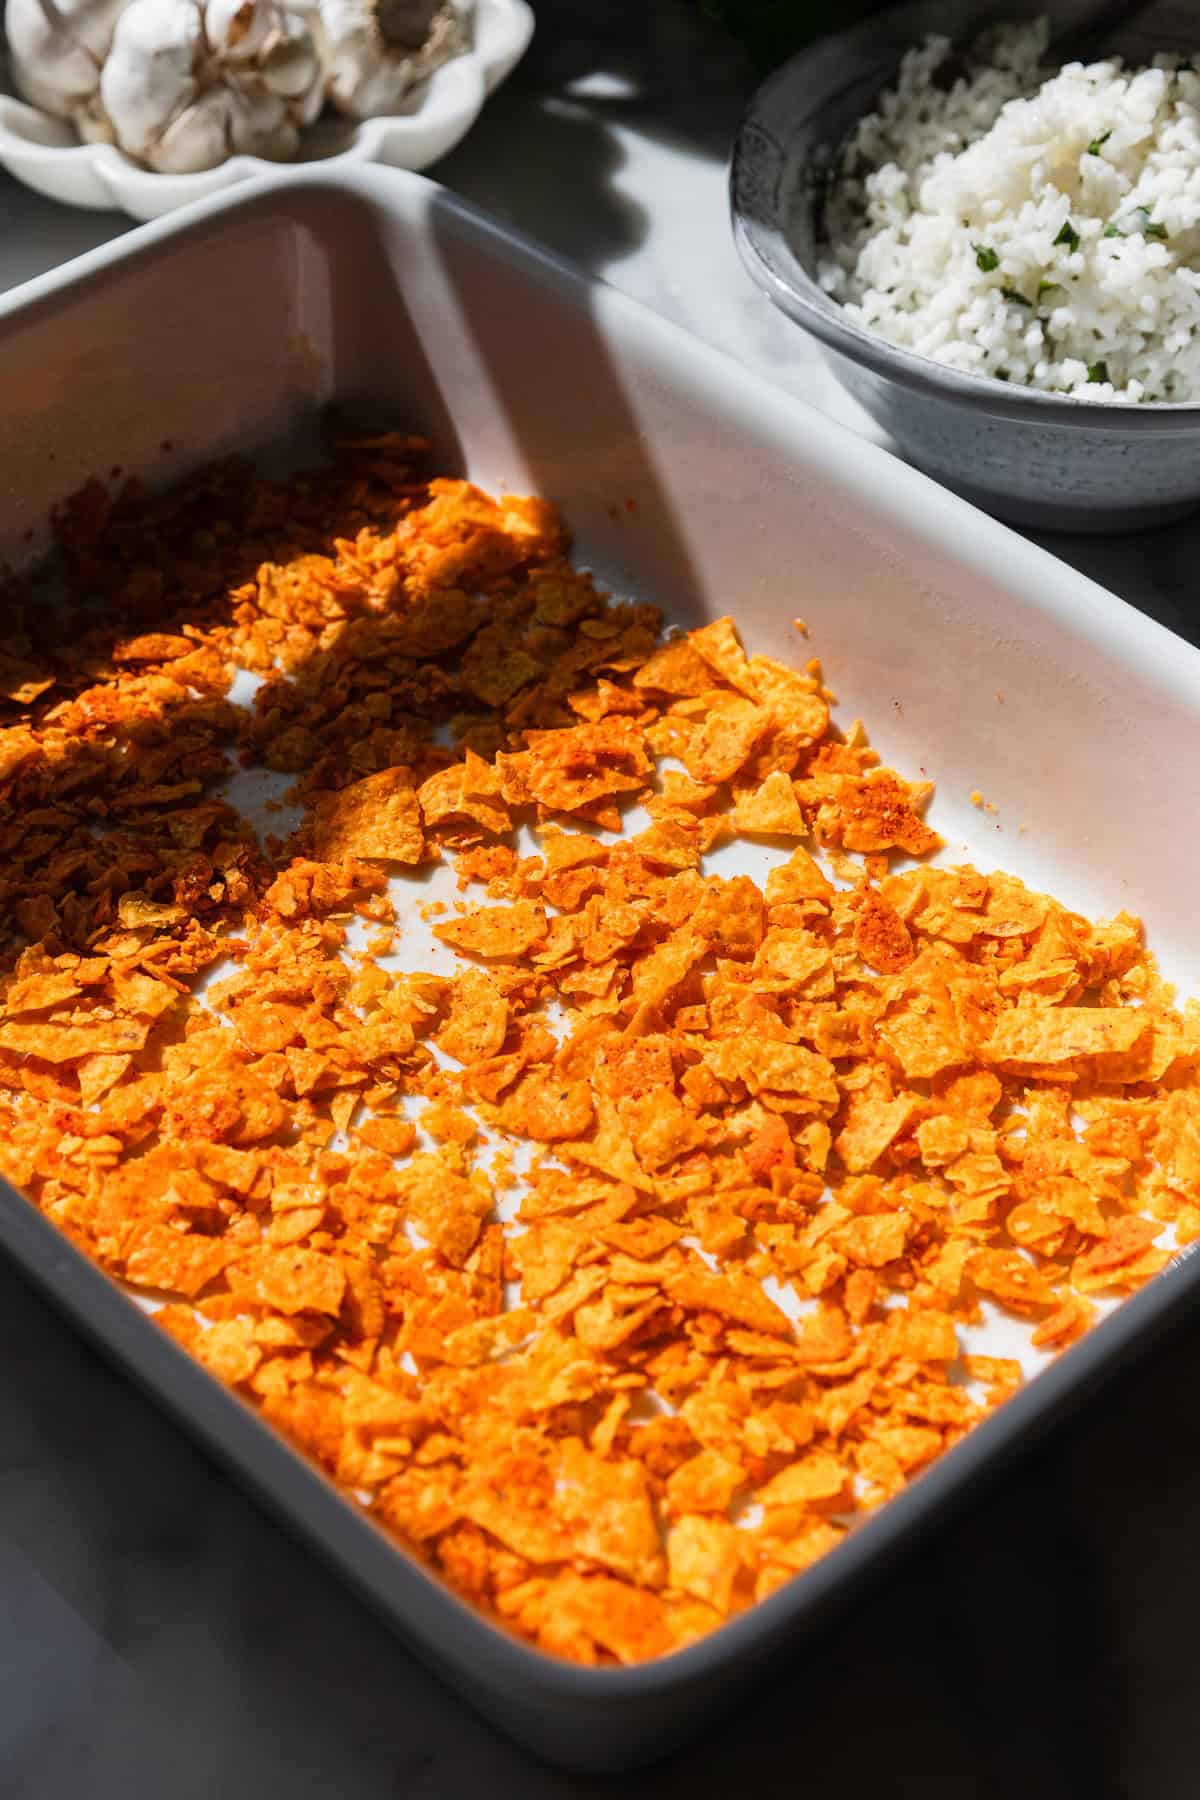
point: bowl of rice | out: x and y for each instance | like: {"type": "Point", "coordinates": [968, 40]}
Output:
{"type": "Point", "coordinates": [998, 250]}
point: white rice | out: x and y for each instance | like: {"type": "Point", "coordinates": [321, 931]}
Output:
{"type": "Point", "coordinates": [1040, 228]}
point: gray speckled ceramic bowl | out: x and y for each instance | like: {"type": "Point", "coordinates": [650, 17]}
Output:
{"type": "Point", "coordinates": [1034, 458]}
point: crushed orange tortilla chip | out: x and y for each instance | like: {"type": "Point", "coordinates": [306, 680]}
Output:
{"type": "Point", "coordinates": [379, 816]}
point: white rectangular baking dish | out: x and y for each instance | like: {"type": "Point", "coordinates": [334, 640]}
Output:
{"type": "Point", "coordinates": [972, 655]}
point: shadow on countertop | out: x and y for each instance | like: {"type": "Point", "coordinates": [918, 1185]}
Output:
{"type": "Point", "coordinates": [547, 146]}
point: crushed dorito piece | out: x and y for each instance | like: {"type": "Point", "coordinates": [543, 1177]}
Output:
{"type": "Point", "coordinates": [379, 816]}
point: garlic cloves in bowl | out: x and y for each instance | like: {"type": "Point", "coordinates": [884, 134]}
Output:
{"type": "Point", "coordinates": [185, 85]}
{"type": "Point", "coordinates": [219, 88]}
{"type": "Point", "coordinates": [57, 49]}
{"type": "Point", "coordinates": [377, 51]}
{"type": "Point", "coordinates": [180, 85]}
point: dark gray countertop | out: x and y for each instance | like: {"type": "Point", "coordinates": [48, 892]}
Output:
{"type": "Point", "coordinates": [161, 1639]}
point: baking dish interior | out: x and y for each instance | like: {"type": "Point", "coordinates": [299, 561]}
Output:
{"type": "Point", "coordinates": [974, 658]}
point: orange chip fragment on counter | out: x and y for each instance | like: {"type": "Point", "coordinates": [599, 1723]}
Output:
{"type": "Point", "coordinates": [716, 1167]}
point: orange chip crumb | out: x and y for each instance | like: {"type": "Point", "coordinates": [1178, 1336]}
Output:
{"type": "Point", "coordinates": [379, 816]}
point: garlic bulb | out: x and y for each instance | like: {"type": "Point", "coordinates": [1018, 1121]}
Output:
{"type": "Point", "coordinates": [179, 84]}
{"type": "Point", "coordinates": [376, 51]}
{"type": "Point", "coordinates": [56, 49]}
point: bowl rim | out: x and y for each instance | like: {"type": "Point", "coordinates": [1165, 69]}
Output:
{"type": "Point", "coordinates": [792, 289]}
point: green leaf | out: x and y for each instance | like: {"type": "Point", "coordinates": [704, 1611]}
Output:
{"type": "Point", "coordinates": [1144, 224]}
{"type": "Point", "coordinates": [1068, 236]}
{"type": "Point", "coordinates": [1096, 144]}
{"type": "Point", "coordinates": [1017, 299]}
{"type": "Point", "coordinates": [1098, 371]}
{"type": "Point", "coordinates": [985, 258]}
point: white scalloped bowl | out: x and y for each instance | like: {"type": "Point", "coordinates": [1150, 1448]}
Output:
{"type": "Point", "coordinates": [44, 153]}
